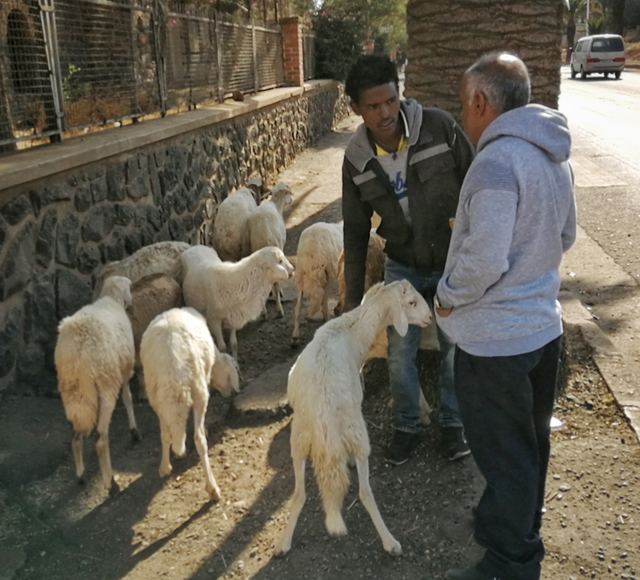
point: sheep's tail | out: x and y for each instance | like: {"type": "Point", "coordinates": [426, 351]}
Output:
{"type": "Point", "coordinates": [80, 400]}
{"type": "Point", "coordinates": [330, 457]}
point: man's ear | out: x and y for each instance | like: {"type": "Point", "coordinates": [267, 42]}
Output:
{"type": "Point", "coordinates": [479, 103]}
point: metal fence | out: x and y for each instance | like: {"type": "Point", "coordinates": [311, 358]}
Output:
{"type": "Point", "coordinates": [70, 65]}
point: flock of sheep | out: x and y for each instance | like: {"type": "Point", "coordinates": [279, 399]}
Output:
{"type": "Point", "coordinates": [161, 313]}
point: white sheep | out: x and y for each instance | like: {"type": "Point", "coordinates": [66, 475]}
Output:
{"type": "Point", "coordinates": [150, 295]}
{"type": "Point", "coordinates": [316, 269]}
{"type": "Point", "coordinates": [230, 226]}
{"type": "Point", "coordinates": [325, 393]}
{"type": "Point", "coordinates": [180, 361]}
{"type": "Point", "coordinates": [231, 294]}
{"type": "Point", "coordinates": [94, 358]}
{"type": "Point", "coordinates": [374, 273]}
{"type": "Point", "coordinates": [266, 227]}
{"type": "Point", "coordinates": [160, 258]}
{"type": "Point", "coordinates": [194, 262]}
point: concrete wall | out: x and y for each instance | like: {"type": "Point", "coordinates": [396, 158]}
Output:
{"type": "Point", "coordinates": [67, 209]}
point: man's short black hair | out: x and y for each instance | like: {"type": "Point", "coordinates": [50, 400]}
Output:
{"type": "Point", "coordinates": [369, 71]}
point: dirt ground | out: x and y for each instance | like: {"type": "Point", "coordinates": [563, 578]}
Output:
{"type": "Point", "coordinates": [52, 528]}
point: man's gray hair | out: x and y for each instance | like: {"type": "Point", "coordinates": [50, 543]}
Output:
{"type": "Point", "coordinates": [502, 78]}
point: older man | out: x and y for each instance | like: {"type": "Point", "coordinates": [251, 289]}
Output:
{"type": "Point", "coordinates": [497, 300]}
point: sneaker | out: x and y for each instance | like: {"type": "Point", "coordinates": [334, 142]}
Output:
{"type": "Point", "coordinates": [454, 444]}
{"type": "Point", "coordinates": [401, 447]}
{"type": "Point", "coordinates": [471, 573]}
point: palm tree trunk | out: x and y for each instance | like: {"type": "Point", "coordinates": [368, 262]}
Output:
{"type": "Point", "coordinates": [447, 36]}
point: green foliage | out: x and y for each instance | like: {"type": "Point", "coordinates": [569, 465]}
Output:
{"type": "Point", "coordinates": [599, 24]}
{"type": "Point", "coordinates": [382, 21]}
{"type": "Point", "coordinates": [72, 88]}
{"type": "Point", "coordinates": [338, 43]}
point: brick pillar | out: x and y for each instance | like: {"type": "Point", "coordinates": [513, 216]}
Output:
{"type": "Point", "coordinates": [293, 51]}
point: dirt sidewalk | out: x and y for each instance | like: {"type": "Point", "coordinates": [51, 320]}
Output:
{"type": "Point", "coordinates": [52, 528]}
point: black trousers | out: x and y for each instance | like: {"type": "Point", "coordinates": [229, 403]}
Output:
{"type": "Point", "coordinates": [506, 405]}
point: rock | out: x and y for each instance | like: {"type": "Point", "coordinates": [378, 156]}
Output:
{"type": "Point", "coordinates": [40, 322]}
{"type": "Point", "coordinates": [10, 332]}
{"type": "Point", "coordinates": [88, 259]}
{"type": "Point", "coordinates": [99, 189]}
{"type": "Point", "coordinates": [46, 238]}
{"type": "Point", "coordinates": [50, 194]}
{"type": "Point", "coordinates": [115, 183]}
{"type": "Point", "coordinates": [99, 223]}
{"type": "Point", "coordinates": [19, 263]}
{"type": "Point", "coordinates": [17, 209]}
{"type": "Point", "coordinates": [67, 240]}
{"type": "Point", "coordinates": [124, 214]}
{"type": "Point", "coordinates": [72, 293]}
{"type": "Point", "coordinates": [82, 199]}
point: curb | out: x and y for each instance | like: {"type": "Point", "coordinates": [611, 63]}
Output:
{"type": "Point", "coordinates": [614, 369]}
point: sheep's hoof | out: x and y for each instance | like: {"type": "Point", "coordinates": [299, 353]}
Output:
{"type": "Point", "coordinates": [280, 553]}
{"type": "Point", "coordinates": [395, 549]}
{"type": "Point", "coordinates": [114, 489]}
{"type": "Point", "coordinates": [214, 494]}
{"type": "Point", "coordinates": [135, 435]}
{"type": "Point", "coordinates": [295, 342]}
{"type": "Point", "coordinates": [81, 480]}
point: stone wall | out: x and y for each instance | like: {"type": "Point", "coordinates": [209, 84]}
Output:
{"type": "Point", "coordinates": [55, 234]}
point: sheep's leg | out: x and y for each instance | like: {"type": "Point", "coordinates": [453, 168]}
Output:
{"type": "Point", "coordinates": [76, 445]}
{"type": "Point", "coordinates": [165, 435]}
{"type": "Point", "coordinates": [203, 450]}
{"type": "Point", "coordinates": [233, 342]}
{"type": "Point", "coordinates": [390, 544]}
{"type": "Point", "coordinates": [325, 303]}
{"type": "Point", "coordinates": [425, 410]}
{"type": "Point", "coordinates": [105, 410]}
{"type": "Point", "coordinates": [276, 290]}
{"type": "Point", "coordinates": [216, 330]}
{"type": "Point", "coordinates": [143, 388]}
{"type": "Point", "coordinates": [295, 337]}
{"type": "Point", "coordinates": [128, 405]}
{"type": "Point", "coordinates": [299, 497]}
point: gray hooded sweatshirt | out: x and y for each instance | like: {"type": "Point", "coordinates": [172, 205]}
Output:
{"type": "Point", "coordinates": [515, 219]}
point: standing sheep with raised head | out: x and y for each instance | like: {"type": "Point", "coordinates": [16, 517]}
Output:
{"type": "Point", "coordinates": [231, 294]}
{"type": "Point", "coordinates": [316, 269]}
{"type": "Point", "coordinates": [374, 274]}
{"type": "Point", "coordinates": [160, 258]}
{"type": "Point", "coordinates": [266, 227]}
{"type": "Point", "coordinates": [180, 360]}
{"type": "Point", "coordinates": [150, 295]}
{"type": "Point", "coordinates": [94, 358]}
{"type": "Point", "coordinates": [230, 226]}
{"type": "Point", "coordinates": [325, 393]}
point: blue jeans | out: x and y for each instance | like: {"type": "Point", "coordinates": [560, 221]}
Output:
{"type": "Point", "coordinates": [402, 352]}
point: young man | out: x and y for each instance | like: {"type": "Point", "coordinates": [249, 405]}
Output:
{"type": "Point", "coordinates": [498, 302]}
{"type": "Point", "coordinates": [406, 163]}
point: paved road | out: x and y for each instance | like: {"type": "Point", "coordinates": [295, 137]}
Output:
{"type": "Point", "coordinates": [604, 116]}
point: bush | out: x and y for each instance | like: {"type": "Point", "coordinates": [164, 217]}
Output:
{"type": "Point", "coordinates": [338, 44]}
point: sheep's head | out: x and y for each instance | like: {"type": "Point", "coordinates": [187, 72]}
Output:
{"type": "Point", "coordinates": [118, 288]}
{"type": "Point", "coordinates": [407, 306]}
{"type": "Point", "coordinates": [281, 192]}
{"type": "Point", "coordinates": [278, 267]}
{"type": "Point", "coordinates": [257, 185]}
{"type": "Point", "coordinates": [225, 375]}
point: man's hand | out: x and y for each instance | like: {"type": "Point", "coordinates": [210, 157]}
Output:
{"type": "Point", "coordinates": [444, 312]}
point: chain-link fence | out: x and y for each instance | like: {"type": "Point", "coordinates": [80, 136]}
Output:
{"type": "Point", "coordinates": [70, 65]}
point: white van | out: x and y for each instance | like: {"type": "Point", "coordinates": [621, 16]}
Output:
{"type": "Point", "coordinates": [600, 53]}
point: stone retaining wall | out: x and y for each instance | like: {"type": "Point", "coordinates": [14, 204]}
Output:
{"type": "Point", "coordinates": [56, 233]}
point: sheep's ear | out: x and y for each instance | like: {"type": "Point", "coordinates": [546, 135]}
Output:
{"type": "Point", "coordinates": [400, 322]}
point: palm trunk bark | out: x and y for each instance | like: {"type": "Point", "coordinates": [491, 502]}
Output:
{"type": "Point", "coordinates": [447, 36]}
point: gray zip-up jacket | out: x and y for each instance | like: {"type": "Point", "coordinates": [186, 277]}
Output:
{"type": "Point", "coordinates": [516, 217]}
{"type": "Point", "coordinates": [438, 158]}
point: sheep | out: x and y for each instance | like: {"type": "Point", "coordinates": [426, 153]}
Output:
{"type": "Point", "coordinates": [325, 392]}
{"type": "Point", "coordinates": [193, 262]}
{"type": "Point", "coordinates": [231, 294]}
{"type": "Point", "coordinates": [266, 227]}
{"type": "Point", "coordinates": [180, 360]}
{"type": "Point", "coordinates": [229, 227]}
{"type": "Point", "coordinates": [152, 259]}
{"type": "Point", "coordinates": [316, 269]}
{"type": "Point", "coordinates": [94, 359]}
{"type": "Point", "coordinates": [374, 274]}
{"type": "Point", "coordinates": [150, 295]}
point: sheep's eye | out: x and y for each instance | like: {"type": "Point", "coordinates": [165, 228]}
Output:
{"type": "Point", "coordinates": [412, 303]}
